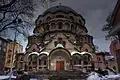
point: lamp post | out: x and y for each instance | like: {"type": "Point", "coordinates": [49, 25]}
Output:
{"type": "Point", "coordinates": [16, 22]}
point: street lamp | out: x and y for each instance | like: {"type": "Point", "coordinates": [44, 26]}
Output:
{"type": "Point", "coordinates": [16, 22]}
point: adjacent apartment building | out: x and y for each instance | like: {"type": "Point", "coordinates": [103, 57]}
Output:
{"type": "Point", "coordinates": [3, 46]}
{"type": "Point", "coordinates": [115, 31]}
{"type": "Point", "coordinates": [12, 49]}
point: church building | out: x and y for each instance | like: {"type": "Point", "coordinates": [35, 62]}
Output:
{"type": "Point", "coordinates": [60, 42]}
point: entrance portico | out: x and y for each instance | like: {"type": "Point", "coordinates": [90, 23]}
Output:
{"type": "Point", "coordinates": [59, 60]}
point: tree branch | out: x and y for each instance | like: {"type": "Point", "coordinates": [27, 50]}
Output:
{"type": "Point", "coordinates": [8, 5]}
{"type": "Point", "coordinates": [3, 16]}
{"type": "Point", "coordinates": [5, 27]}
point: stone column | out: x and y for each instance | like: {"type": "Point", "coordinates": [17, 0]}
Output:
{"type": "Point", "coordinates": [38, 63]}
{"type": "Point", "coordinates": [82, 65]}
{"type": "Point", "coordinates": [48, 63]}
{"type": "Point", "coordinates": [71, 63]}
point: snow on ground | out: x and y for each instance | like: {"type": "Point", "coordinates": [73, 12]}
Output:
{"type": "Point", "coordinates": [96, 76]}
{"type": "Point", "coordinates": [2, 77]}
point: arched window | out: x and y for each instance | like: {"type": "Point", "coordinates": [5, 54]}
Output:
{"type": "Point", "coordinates": [80, 21]}
{"type": "Point", "coordinates": [67, 26]}
{"type": "Point", "coordinates": [81, 39]}
{"type": "Point", "coordinates": [60, 25]}
{"type": "Point", "coordinates": [32, 61]}
{"type": "Point", "coordinates": [85, 60]}
{"type": "Point", "coordinates": [76, 59]}
{"type": "Point", "coordinates": [71, 18]}
{"type": "Point", "coordinates": [59, 16]}
{"type": "Point", "coordinates": [47, 28]}
{"type": "Point", "coordinates": [45, 62]}
{"type": "Point", "coordinates": [48, 18]}
{"type": "Point", "coordinates": [72, 28]}
{"type": "Point", "coordinates": [39, 62]}
{"type": "Point", "coordinates": [85, 39]}
{"type": "Point", "coordinates": [86, 50]}
{"type": "Point", "coordinates": [43, 59]}
{"type": "Point", "coordinates": [79, 61]}
{"type": "Point", "coordinates": [53, 26]}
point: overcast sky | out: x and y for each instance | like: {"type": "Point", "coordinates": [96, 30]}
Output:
{"type": "Point", "coordinates": [95, 13]}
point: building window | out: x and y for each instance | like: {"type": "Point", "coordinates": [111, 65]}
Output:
{"type": "Point", "coordinates": [21, 58]}
{"type": "Point", "coordinates": [39, 62]}
{"type": "Point", "coordinates": [30, 67]}
{"type": "Point", "coordinates": [72, 28]}
{"type": "Point", "coordinates": [29, 63]}
{"type": "Point", "coordinates": [86, 50]}
{"type": "Point", "coordinates": [81, 39]}
{"type": "Point", "coordinates": [8, 61]}
{"type": "Point", "coordinates": [75, 62]}
{"type": "Point", "coordinates": [67, 26]}
{"type": "Point", "coordinates": [48, 18]}
{"type": "Point", "coordinates": [80, 61]}
{"type": "Point", "coordinates": [80, 21]}
{"type": "Point", "coordinates": [85, 63]}
{"type": "Point", "coordinates": [34, 62]}
{"type": "Point", "coordinates": [53, 26]}
{"type": "Point", "coordinates": [44, 62]}
{"type": "Point", "coordinates": [47, 28]}
{"type": "Point", "coordinates": [60, 25]}
{"type": "Point", "coordinates": [99, 59]}
{"type": "Point", "coordinates": [71, 18]}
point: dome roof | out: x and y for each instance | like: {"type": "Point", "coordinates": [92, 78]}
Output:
{"type": "Point", "coordinates": [59, 8]}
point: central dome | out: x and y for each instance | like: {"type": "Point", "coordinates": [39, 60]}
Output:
{"type": "Point", "coordinates": [60, 8]}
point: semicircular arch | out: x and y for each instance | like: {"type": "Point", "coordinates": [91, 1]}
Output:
{"type": "Point", "coordinates": [61, 51]}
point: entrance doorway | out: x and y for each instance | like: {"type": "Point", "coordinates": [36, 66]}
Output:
{"type": "Point", "coordinates": [59, 66]}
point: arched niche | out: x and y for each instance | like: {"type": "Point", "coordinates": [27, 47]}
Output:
{"type": "Point", "coordinates": [59, 59]}
{"type": "Point", "coordinates": [60, 25]}
{"type": "Point", "coordinates": [72, 27]}
{"type": "Point", "coordinates": [76, 59]}
{"type": "Point", "coordinates": [53, 26]}
{"type": "Point", "coordinates": [32, 61]}
{"type": "Point", "coordinates": [48, 18]}
{"type": "Point", "coordinates": [42, 61]}
{"type": "Point", "coordinates": [66, 26]}
{"type": "Point", "coordinates": [71, 18]}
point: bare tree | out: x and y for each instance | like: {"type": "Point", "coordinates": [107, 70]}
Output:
{"type": "Point", "coordinates": [13, 14]}
{"type": "Point", "coordinates": [107, 28]}
{"type": "Point", "coordinates": [17, 14]}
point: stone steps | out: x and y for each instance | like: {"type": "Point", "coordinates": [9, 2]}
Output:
{"type": "Point", "coordinates": [64, 75]}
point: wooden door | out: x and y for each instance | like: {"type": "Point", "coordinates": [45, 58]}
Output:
{"type": "Point", "coordinates": [59, 66]}
{"type": "Point", "coordinates": [62, 65]}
